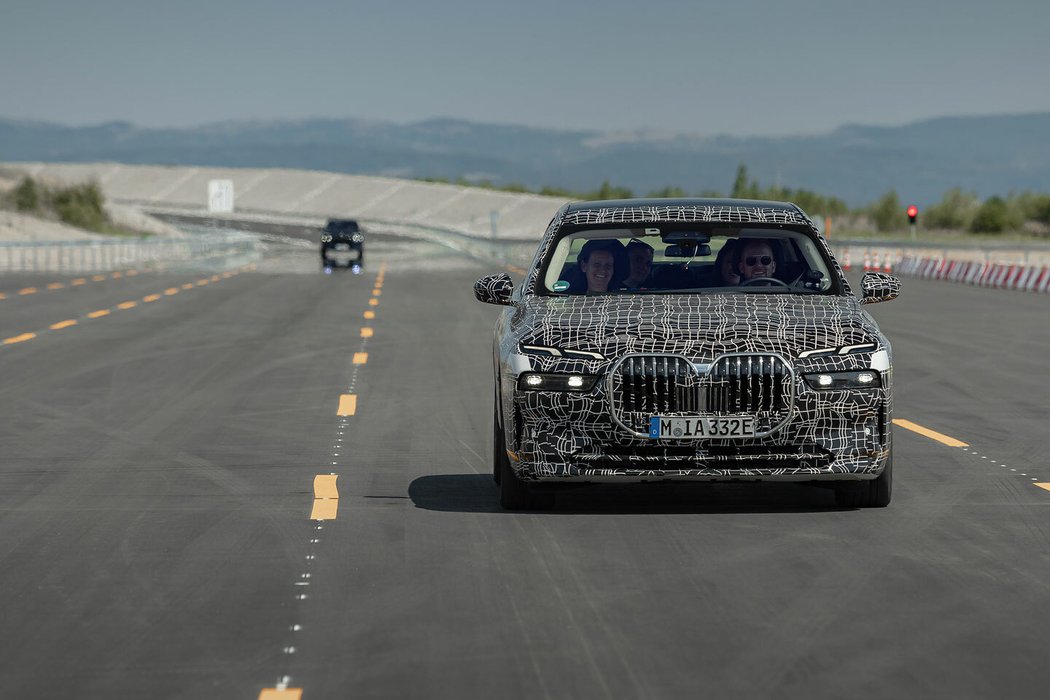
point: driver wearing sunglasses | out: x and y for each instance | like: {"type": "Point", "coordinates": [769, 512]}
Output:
{"type": "Point", "coordinates": [756, 260]}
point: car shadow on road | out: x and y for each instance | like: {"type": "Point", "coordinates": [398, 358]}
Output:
{"type": "Point", "coordinates": [476, 493]}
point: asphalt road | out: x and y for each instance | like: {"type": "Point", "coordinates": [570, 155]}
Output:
{"type": "Point", "coordinates": [159, 534]}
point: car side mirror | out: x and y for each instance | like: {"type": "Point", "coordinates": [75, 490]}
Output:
{"type": "Point", "coordinates": [494, 289]}
{"type": "Point", "coordinates": [878, 286]}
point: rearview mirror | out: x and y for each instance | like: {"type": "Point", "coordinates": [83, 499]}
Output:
{"type": "Point", "coordinates": [683, 250]}
{"type": "Point", "coordinates": [686, 237]}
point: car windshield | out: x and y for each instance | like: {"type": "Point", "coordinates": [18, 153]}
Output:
{"type": "Point", "coordinates": [341, 227]}
{"type": "Point", "coordinates": [666, 260]}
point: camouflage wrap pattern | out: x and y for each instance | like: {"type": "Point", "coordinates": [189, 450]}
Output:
{"type": "Point", "coordinates": [831, 434]}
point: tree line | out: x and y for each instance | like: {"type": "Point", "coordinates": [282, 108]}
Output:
{"type": "Point", "coordinates": [958, 210]}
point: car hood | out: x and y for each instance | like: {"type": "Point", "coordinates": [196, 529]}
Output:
{"type": "Point", "coordinates": [701, 327]}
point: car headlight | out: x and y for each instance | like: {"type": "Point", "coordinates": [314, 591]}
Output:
{"type": "Point", "coordinates": [843, 350]}
{"type": "Point", "coordinates": [864, 379]}
{"type": "Point", "coordinates": [546, 351]}
{"type": "Point", "coordinates": [535, 381]}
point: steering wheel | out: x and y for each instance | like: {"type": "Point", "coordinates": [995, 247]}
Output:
{"type": "Point", "coordinates": [754, 281]}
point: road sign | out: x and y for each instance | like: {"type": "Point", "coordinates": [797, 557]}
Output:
{"type": "Point", "coordinates": [220, 196]}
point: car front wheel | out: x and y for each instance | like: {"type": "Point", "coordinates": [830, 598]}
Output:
{"type": "Point", "coordinates": [499, 452]}
{"type": "Point", "coordinates": [514, 494]}
{"type": "Point", "coordinates": [868, 494]}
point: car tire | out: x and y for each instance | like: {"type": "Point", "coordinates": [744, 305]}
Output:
{"type": "Point", "coordinates": [514, 494]}
{"type": "Point", "coordinates": [876, 493]}
{"type": "Point", "coordinates": [499, 451]}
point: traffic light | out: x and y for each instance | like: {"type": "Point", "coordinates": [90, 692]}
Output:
{"type": "Point", "coordinates": [913, 214]}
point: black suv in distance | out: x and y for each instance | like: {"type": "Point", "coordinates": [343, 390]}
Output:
{"type": "Point", "coordinates": [342, 244]}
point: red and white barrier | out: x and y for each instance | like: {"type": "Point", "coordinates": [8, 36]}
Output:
{"type": "Point", "coordinates": [1027, 278]}
{"type": "Point", "coordinates": [987, 273]}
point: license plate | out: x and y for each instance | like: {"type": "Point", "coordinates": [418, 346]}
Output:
{"type": "Point", "coordinates": [684, 428]}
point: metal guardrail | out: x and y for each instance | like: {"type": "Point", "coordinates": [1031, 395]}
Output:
{"type": "Point", "coordinates": [107, 255]}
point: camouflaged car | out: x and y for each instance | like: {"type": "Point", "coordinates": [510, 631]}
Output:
{"type": "Point", "coordinates": [693, 340]}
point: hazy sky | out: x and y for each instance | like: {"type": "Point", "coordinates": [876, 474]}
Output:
{"type": "Point", "coordinates": [739, 67]}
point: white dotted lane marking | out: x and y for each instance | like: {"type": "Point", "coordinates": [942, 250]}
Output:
{"type": "Point", "coordinates": [306, 576]}
{"type": "Point", "coordinates": [1004, 465]}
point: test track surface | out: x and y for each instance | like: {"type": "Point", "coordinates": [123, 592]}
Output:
{"type": "Point", "coordinates": [158, 475]}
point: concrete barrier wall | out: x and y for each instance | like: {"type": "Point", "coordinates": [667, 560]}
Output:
{"type": "Point", "coordinates": [470, 218]}
{"type": "Point", "coordinates": [97, 256]}
{"type": "Point", "coordinates": [322, 195]}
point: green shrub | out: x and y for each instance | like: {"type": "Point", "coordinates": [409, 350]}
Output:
{"type": "Point", "coordinates": [1029, 206]}
{"type": "Point", "coordinates": [887, 212]}
{"type": "Point", "coordinates": [608, 191]}
{"type": "Point", "coordinates": [669, 191]}
{"type": "Point", "coordinates": [992, 217]}
{"type": "Point", "coordinates": [743, 188]}
{"type": "Point", "coordinates": [559, 192]}
{"type": "Point", "coordinates": [27, 195]}
{"type": "Point", "coordinates": [1041, 211]}
{"type": "Point", "coordinates": [955, 211]}
{"type": "Point", "coordinates": [81, 206]}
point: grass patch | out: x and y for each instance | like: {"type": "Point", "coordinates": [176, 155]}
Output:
{"type": "Point", "coordinates": [82, 206]}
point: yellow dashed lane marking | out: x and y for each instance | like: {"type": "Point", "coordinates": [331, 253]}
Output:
{"type": "Point", "coordinates": [101, 312]}
{"type": "Point", "coordinates": [20, 338]}
{"type": "Point", "coordinates": [373, 302]}
{"type": "Point", "coordinates": [360, 358]}
{"type": "Point", "coordinates": [376, 292]}
{"type": "Point", "coordinates": [285, 694]}
{"type": "Point", "coordinates": [926, 432]}
{"type": "Point", "coordinates": [366, 332]}
{"type": "Point", "coordinates": [117, 275]}
{"type": "Point", "coordinates": [370, 314]}
{"type": "Point", "coordinates": [1044, 486]}
{"type": "Point", "coordinates": [324, 509]}
{"type": "Point", "coordinates": [347, 405]}
{"type": "Point", "coordinates": [325, 487]}
{"type": "Point", "coordinates": [326, 497]}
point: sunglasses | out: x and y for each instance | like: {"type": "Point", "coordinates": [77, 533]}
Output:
{"type": "Point", "coordinates": [753, 260]}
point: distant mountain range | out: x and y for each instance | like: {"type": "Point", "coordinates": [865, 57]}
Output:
{"type": "Point", "coordinates": [989, 155]}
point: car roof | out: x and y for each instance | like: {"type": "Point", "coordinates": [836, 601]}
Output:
{"type": "Point", "coordinates": [685, 209]}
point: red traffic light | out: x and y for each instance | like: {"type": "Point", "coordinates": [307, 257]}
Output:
{"type": "Point", "coordinates": [913, 211]}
